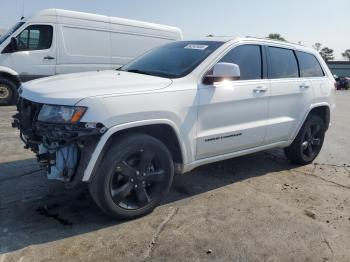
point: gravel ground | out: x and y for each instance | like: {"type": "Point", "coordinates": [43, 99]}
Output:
{"type": "Point", "coordinates": [253, 208]}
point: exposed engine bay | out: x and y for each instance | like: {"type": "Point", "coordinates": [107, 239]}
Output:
{"type": "Point", "coordinates": [64, 149]}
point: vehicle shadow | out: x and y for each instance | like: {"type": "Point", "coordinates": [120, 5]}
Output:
{"type": "Point", "coordinates": [34, 210]}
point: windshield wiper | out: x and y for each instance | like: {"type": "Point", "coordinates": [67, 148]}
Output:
{"type": "Point", "coordinates": [137, 71]}
{"type": "Point", "coordinates": [151, 73]}
{"type": "Point", "coordinates": [154, 73]}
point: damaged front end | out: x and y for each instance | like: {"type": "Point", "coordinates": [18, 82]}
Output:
{"type": "Point", "coordinates": [62, 144]}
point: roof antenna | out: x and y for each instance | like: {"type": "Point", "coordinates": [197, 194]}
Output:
{"type": "Point", "coordinates": [22, 17]}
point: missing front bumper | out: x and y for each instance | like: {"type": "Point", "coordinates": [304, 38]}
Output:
{"type": "Point", "coordinates": [64, 149]}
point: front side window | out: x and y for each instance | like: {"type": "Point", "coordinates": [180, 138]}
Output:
{"type": "Point", "coordinates": [281, 63]}
{"type": "Point", "coordinates": [309, 65]}
{"type": "Point", "coordinates": [248, 58]}
{"type": "Point", "coordinates": [35, 37]}
{"type": "Point", "coordinates": [173, 60]}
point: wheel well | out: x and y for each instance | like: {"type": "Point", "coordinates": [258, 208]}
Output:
{"type": "Point", "coordinates": [12, 78]}
{"type": "Point", "coordinates": [163, 132]}
{"type": "Point", "coordinates": [323, 112]}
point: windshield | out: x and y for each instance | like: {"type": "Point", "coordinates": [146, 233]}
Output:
{"type": "Point", "coordinates": [173, 60]}
{"type": "Point", "coordinates": [10, 32]}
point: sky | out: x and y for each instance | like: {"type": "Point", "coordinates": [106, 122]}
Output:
{"type": "Point", "coordinates": [307, 21]}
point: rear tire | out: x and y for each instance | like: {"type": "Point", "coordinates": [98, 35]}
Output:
{"type": "Point", "coordinates": [308, 143]}
{"type": "Point", "coordinates": [8, 92]}
{"type": "Point", "coordinates": [135, 174]}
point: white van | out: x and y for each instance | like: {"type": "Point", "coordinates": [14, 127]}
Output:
{"type": "Point", "coordinates": [57, 41]}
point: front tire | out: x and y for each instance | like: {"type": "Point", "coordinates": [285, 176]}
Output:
{"type": "Point", "coordinates": [308, 143]}
{"type": "Point", "coordinates": [135, 174]}
{"type": "Point", "coordinates": [8, 92]}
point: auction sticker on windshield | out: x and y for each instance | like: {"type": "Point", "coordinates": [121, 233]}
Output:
{"type": "Point", "coordinates": [197, 47]}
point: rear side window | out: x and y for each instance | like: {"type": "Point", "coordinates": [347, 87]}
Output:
{"type": "Point", "coordinates": [248, 57]}
{"type": "Point", "coordinates": [35, 37]}
{"type": "Point", "coordinates": [282, 63]}
{"type": "Point", "coordinates": [309, 65]}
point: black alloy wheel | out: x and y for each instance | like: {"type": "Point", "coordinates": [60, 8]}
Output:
{"type": "Point", "coordinates": [308, 143]}
{"type": "Point", "coordinates": [135, 174]}
{"type": "Point", "coordinates": [312, 141]}
{"type": "Point", "coordinates": [138, 179]}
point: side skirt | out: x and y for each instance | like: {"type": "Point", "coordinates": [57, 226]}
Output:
{"type": "Point", "coordinates": [184, 168]}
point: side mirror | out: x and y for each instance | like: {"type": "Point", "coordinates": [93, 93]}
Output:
{"type": "Point", "coordinates": [14, 44]}
{"type": "Point", "coordinates": [223, 71]}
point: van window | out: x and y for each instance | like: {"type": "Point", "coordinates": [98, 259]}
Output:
{"type": "Point", "coordinates": [35, 37]}
{"type": "Point", "coordinates": [281, 63]}
{"type": "Point", "coordinates": [309, 65]}
{"type": "Point", "coordinates": [248, 57]}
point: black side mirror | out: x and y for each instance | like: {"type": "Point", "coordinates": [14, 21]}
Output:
{"type": "Point", "coordinates": [14, 44]}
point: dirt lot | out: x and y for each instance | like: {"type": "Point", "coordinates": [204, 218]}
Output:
{"type": "Point", "coordinates": [254, 208]}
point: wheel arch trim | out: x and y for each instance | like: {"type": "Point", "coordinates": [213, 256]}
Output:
{"type": "Point", "coordinates": [115, 129]}
{"type": "Point", "coordinates": [8, 71]}
{"type": "Point", "coordinates": [313, 106]}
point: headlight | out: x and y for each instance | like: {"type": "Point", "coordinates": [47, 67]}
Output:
{"type": "Point", "coordinates": [61, 114]}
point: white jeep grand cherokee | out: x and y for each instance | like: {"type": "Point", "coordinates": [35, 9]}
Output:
{"type": "Point", "coordinates": [177, 107]}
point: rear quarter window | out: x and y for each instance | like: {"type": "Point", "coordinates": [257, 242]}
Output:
{"type": "Point", "coordinates": [282, 63]}
{"type": "Point", "coordinates": [309, 65]}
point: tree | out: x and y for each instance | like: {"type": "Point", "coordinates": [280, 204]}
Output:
{"type": "Point", "coordinates": [327, 54]}
{"type": "Point", "coordinates": [346, 54]}
{"type": "Point", "coordinates": [317, 46]}
{"type": "Point", "coordinates": [276, 37]}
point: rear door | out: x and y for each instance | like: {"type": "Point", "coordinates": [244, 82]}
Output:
{"type": "Point", "coordinates": [36, 55]}
{"type": "Point", "coordinates": [311, 69]}
{"type": "Point", "coordinates": [232, 115]}
{"type": "Point", "coordinates": [290, 94]}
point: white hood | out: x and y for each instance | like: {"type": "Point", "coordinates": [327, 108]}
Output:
{"type": "Point", "coordinates": [70, 89]}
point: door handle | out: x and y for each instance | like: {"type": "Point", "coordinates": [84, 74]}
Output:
{"type": "Point", "coordinates": [304, 86]}
{"type": "Point", "coordinates": [49, 58]}
{"type": "Point", "coordinates": [260, 89]}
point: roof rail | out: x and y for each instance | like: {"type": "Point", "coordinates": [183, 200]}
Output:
{"type": "Point", "coordinates": [266, 38]}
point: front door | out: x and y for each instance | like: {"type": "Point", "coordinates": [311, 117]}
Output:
{"type": "Point", "coordinates": [232, 115]}
{"type": "Point", "coordinates": [36, 54]}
